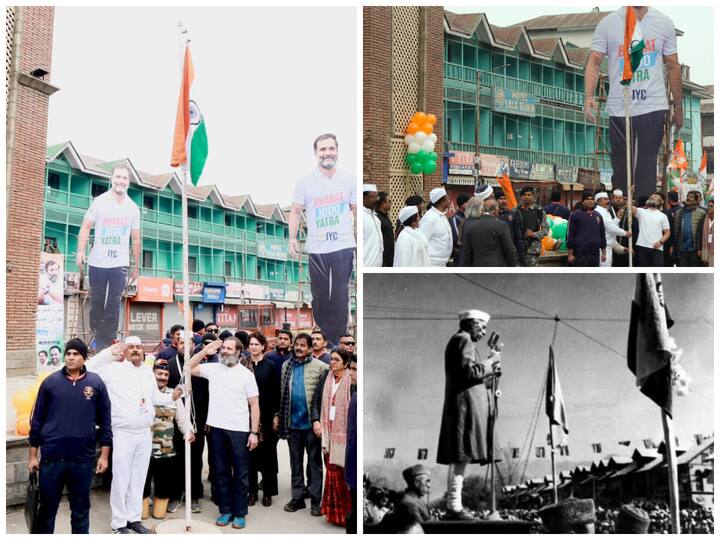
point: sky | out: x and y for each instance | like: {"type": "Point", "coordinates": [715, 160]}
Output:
{"type": "Point", "coordinates": [268, 81]}
{"type": "Point", "coordinates": [695, 48]}
{"type": "Point", "coordinates": [403, 359]}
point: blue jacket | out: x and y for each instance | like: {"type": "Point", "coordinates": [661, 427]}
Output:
{"type": "Point", "coordinates": [351, 448]}
{"type": "Point", "coordinates": [65, 415]}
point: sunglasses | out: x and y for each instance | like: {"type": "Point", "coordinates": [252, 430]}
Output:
{"type": "Point", "coordinates": [347, 343]}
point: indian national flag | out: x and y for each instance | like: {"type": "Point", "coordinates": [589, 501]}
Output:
{"type": "Point", "coordinates": [190, 144]}
{"type": "Point", "coordinates": [632, 46]}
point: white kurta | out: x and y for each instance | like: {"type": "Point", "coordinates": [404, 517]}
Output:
{"type": "Point", "coordinates": [612, 231]}
{"type": "Point", "coordinates": [372, 239]}
{"type": "Point", "coordinates": [436, 228]}
{"type": "Point", "coordinates": [411, 248]}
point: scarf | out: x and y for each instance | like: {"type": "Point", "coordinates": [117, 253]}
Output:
{"type": "Point", "coordinates": [334, 433]}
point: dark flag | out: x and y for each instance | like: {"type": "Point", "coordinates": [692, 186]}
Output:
{"type": "Point", "coordinates": [649, 342]}
{"type": "Point", "coordinates": [554, 403]}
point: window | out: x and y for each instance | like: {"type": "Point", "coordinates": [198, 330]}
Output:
{"type": "Point", "coordinates": [228, 268]}
{"type": "Point", "coordinates": [228, 220]}
{"type": "Point", "coordinates": [597, 448]}
{"type": "Point", "coordinates": [564, 450]}
{"type": "Point", "coordinates": [54, 180]}
{"type": "Point", "coordinates": [540, 451]}
{"type": "Point", "coordinates": [192, 265]}
{"type": "Point", "coordinates": [149, 202]}
{"type": "Point", "coordinates": [97, 189]}
{"type": "Point", "coordinates": [147, 258]}
{"type": "Point", "coordinates": [389, 453]}
{"type": "Point", "coordinates": [516, 453]}
{"type": "Point", "coordinates": [192, 212]}
{"type": "Point", "coordinates": [248, 318]}
{"type": "Point", "coordinates": [422, 453]}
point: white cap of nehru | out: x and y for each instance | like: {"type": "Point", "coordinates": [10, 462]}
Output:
{"type": "Point", "coordinates": [484, 193]}
{"type": "Point", "coordinates": [474, 314]}
{"type": "Point", "coordinates": [406, 213]}
{"type": "Point", "coordinates": [133, 340]}
{"type": "Point", "coordinates": [437, 194]}
{"type": "Point", "coordinates": [369, 187]}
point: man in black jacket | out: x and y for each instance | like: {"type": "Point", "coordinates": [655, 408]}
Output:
{"type": "Point", "coordinates": [486, 241]}
{"type": "Point", "coordinates": [386, 227]}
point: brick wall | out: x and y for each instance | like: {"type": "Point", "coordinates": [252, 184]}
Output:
{"type": "Point", "coordinates": [25, 196]}
{"type": "Point", "coordinates": [432, 40]}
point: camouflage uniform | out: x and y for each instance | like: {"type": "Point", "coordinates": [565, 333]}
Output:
{"type": "Point", "coordinates": [531, 247]}
{"type": "Point", "coordinates": [162, 429]}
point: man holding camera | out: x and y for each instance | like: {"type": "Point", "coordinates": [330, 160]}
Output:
{"type": "Point", "coordinates": [464, 433]}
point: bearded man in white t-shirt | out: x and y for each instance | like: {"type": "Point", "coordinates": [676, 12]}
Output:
{"type": "Point", "coordinates": [648, 104]}
{"type": "Point", "coordinates": [116, 218]}
{"type": "Point", "coordinates": [654, 232]}
{"type": "Point", "coordinates": [328, 197]}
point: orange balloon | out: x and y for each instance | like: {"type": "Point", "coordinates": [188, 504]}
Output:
{"type": "Point", "coordinates": [548, 243]}
{"type": "Point", "coordinates": [419, 118]}
{"type": "Point", "coordinates": [23, 401]}
{"type": "Point", "coordinates": [22, 426]}
{"type": "Point", "coordinates": [431, 119]}
{"type": "Point", "coordinates": [427, 128]}
{"type": "Point", "coordinates": [413, 128]}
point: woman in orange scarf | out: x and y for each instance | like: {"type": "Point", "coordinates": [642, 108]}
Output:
{"type": "Point", "coordinates": [335, 401]}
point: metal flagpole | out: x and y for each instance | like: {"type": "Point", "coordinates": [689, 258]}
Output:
{"type": "Point", "coordinates": [672, 472]}
{"type": "Point", "coordinates": [552, 460]}
{"type": "Point", "coordinates": [628, 209]}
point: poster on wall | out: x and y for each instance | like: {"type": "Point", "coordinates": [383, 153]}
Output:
{"type": "Point", "coordinates": [50, 327]}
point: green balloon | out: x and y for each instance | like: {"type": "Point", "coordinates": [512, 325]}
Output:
{"type": "Point", "coordinates": [560, 231]}
{"type": "Point", "coordinates": [433, 156]}
{"type": "Point", "coordinates": [422, 156]}
{"type": "Point", "coordinates": [410, 158]}
{"type": "Point", "coordinates": [429, 167]}
{"type": "Point", "coordinates": [416, 167]}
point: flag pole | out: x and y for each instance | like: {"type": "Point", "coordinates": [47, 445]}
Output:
{"type": "Point", "coordinates": [186, 313]}
{"type": "Point", "coordinates": [672, 472]}
{"type": "Point", "coordinates": [628, 173]}
{"type": "Point", "coordinates": [552, 460]}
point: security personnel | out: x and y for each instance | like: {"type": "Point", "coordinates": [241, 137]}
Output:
{"type": "Point", "coordinates": [412, 508]}
{"type": "Point", "coordinates": [586, 239]}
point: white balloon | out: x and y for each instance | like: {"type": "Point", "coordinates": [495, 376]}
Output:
{"type": "Point", "coordinates": [408, 139]}
{"type": "Point", "coordinates": [432, 137]}
{"type": "Point", "coordinates": [413, 148]}
{"type": "Point", "coordinates": [420, 137]}
{"type": "Point", "coordinates": [428, 146]}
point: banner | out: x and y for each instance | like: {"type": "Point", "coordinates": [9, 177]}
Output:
{"type": "Point", "coordinates": [227, 318]}
{"type": "Point", "coordinates": [145, 322]}
{"type": "Point", "coordinates": [255, 292]}
{"type": "Point", "coordinates": [213, 293]}
{"type": "Point", "coordinates": [151, 289]}
{"type": "Point", "coordinates": [565, 174]}
{"type": "Point", "coordinates": [461, 163]}
{"type": "Point", "coordinates": [513, 102]}
{"type": "Point", "coordinates": [275, 294]}
{"type": "Point", "coordinates": [272, 249]}
{"type": "Point", "coordinates": [492, 165]}
{"type": "Point", "coordinates": [196, 288]}
{"type": "Point", "coordinates": [290, 315]}
{"type": "Point", "coordinates": [50, 325]}
{"type": "Point", "coordinates": [520, 169]}
{"type": "Point", "coordinates": [542, 171]}
{"type": "Point", "coordinates": [233, 289]}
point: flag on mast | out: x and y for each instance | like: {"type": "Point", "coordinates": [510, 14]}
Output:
{"type": "Point", "coordinates": [190, 143]}
{"type": "Point", "coordinates": [633, 46]}
{"type": "Point", "coordinates": [503, 178]}
{"type": "Point", "coordinates": [649, 342]}
{"type": "Point", "coordinates": [554, 402]}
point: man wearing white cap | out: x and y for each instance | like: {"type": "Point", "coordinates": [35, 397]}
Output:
{"type": "Point", "coordinates": [133, 394]}
{"type": "Point", "coordinates": [484, 193]}
{"type": "Point", "coordinates": [464, 429]}
{"type": "Point", "coordinates": [436, 228]}
{"type": "Point", "coordinates": [372, 230]}
{"type": "Point", "coordinates": [610, 222]}
{"type": "Point", "coordinates": [411, 248]}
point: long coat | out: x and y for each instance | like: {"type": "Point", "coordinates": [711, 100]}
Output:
{"type": "Point", "coordinates": [487, 241]}
{"type": "Point", "coordinates": [464, 428]}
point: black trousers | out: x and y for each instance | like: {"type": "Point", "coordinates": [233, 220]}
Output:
{"type": "Point", "coordinates": [646, 132]}
{"type": "Point", "coordinates": [689, 258]}
{"type": "Point", "coordinates": [301, 441]}
{"type": "Point", "coordinates": [106, 288]}
{"type": "Point", "coordinates": [351, 520]}
{"type": "Point", "coordinates": [648, 257]}
{"type": "Point", "coordinates": [196, 463]}
{"type": "Point", "coordinates": [330, 282]}
{"type": "Point", "coordinates": [585, 260]}
{"type": "Point", "coordinates": [264, 460]}
{"type": "Point", "coordinates": [160, 478]}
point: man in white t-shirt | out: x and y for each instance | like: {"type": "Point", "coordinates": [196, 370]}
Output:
{"type": "Point", "coordinates": [234, 420]}
{"type": "Point", "coordinates": [648, 99]}
{"type": "Point", "coordinates": [116, 218]}
{"type": "Point", "coordinates": [654, 232]}
{"type": "Point", "coordinates": [372, 232]}
{"type": "Point", "coordinates": [328, 197]}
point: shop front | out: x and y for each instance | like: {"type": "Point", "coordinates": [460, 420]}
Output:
{"type": "Point", "coordinates": [144, 316]}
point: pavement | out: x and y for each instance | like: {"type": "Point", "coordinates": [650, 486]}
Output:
{"type": "Point", "coordinates": [260, 519]}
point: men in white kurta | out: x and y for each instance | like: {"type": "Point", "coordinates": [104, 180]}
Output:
{"type": "Point", "coordinates": [612, 229]}
{"type": "Point", "coordinates": [411, 247]}
{"type": "Point", "coordinates": [436, 228]}
{"type": "Point", "coordinates": [133, 394]}
{"type": "Point", "coordinates": [372, 231]}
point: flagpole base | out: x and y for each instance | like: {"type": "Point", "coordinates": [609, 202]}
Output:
{"type": "Point", "coordinates": [494, 516]}
{"type": "Point", "coordinates": [178, 526]}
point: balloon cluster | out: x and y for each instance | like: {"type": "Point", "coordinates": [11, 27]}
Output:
{"type": "Point", "coordinates": [419, 137]}
{"type": "Point", "coordinates": [557, 235]}
{"type": "Point", "coordinates": [23, 401]}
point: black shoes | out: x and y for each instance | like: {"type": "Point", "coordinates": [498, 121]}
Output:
{"type": "Point", "coordinates": [295, 505]}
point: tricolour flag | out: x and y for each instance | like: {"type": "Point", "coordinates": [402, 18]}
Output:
{"type": "Point", "coordinates": [649, 343]}
{"type": "Point", "coordinates": [554, 402]}
{"type": "Point", "coordinates": [503, 178]}
{"type": "Point", "coordinates": [633, 46]}
{"type": "Point", "coordinates": [190, 144]}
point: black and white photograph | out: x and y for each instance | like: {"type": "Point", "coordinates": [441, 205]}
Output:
{"type": "Point", "coordinates": [544, 403]}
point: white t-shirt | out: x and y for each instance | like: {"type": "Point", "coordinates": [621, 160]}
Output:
{"type": "Point", "coordinates": [327, 203]}
{"type": "Point", "coordinates": [229, 388]}
{"type": "Point", "coordinates": [372, 239]}
{"type": "Point", "coordinates": [652, 223]}
{"type": "Point", "coordinates": [647, 89]}
{"type": "Point", "coordinates": [113, 223]}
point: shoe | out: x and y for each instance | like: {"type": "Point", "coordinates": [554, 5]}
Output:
{"type": "Point", "coordinates": [294, 506]}
{"type": "Point", "coordinates": [223, 520]}
{"type": "Point", "coordinates": [462, 515]}
{"type": "Point", "coordinates": [306, 493]}
{"type": "Point", "coordinates": [252, 499]}
{"type": "Point", "coordinates": [122, 530]}
{"type": "Point", "coordinates": [173, 506]}
{"type": "Point", "coordinates": [195, 506]}
{"type": "Point", "coordinates": [239, 523]}
{"type": "Point", "coordinates": [138, 528]}
{"type": "Point", "coordinates": [267, 500]}
{"type": "Point", "coordinates": [315, 511]}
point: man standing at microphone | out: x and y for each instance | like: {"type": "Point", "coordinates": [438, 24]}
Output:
{"type": "Point", "coordinates": [464, 432]}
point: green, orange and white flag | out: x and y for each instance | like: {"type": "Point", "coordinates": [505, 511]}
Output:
{"type": "Point", "coordinates": [633, 46]}
{"type": "Point", "coordinates": [190, 143]}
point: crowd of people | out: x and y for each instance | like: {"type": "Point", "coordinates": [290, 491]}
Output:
{"type": "Point", "coordinates": [244, 399]}
{"type": "Point", "coordinates": [483, 230]}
